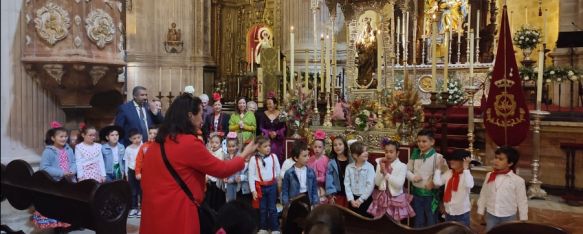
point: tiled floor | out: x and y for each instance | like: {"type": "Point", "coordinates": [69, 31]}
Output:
{"type": "Point", "coordinates": [552, 211]}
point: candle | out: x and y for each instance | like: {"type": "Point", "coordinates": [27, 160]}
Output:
{"type": "Point", "coordinates": [446, 61]}
{"type": "Point", "coordinates": [478, 24]}
{"type": "Point", "coordinates": [433, 54]}
{"type": "Point", "coordinates": [469, 18]}
{"type": "Point", "coordinates": [539, 80]}
{"type": "Point", "coordinates": [278, 60]}
{"type": "Point", "coordinates": [379, 58]}
{"type": "Point", "coordinates": [170, 80]}
{"type": "Point", "coordinates": [407, 29]}
{"type": "Point", "coordinates": [284, 78]}
{"type": "Point", "coordinates": [398, 28]}
{"type": "Point", "coordinates": [403, 33]}
{"type": "Point", "coordinates": [306, 70]}
{"type": "Point", "coordinates": [327, 66]}
{"type": "Point", "coordinates": [471, 57]}
{"type": "Point", "coordinates": [181, 84]}
{"type": "Point", "coordinates": [545, 28]}
{"type": "Point", "coordinates": [160, 80]}
{"type": "Point", "coordinates": [424, 28]}
{"type": "Point", "coordinates": [526, 15]}
{"type": "Point", "coordinates": [292, 56]}
{"type": "Point", "coordinates": [322, 49]}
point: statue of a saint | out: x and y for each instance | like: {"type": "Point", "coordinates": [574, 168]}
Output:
{"type": "Point", "coordinates": [366, 49]}
{"type": "Point", "coordinates": [173, 36]}
{"type": "Point", "coordinates": [264, 41]}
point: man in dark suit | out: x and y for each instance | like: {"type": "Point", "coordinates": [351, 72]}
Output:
{"type": "Point", "coordinates": [137, 114]}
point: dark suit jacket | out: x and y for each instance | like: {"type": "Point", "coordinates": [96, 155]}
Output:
{"type": "Point", "coordinates": [208, 125]}
{"type": "Point", "coordinates": [128, 118]}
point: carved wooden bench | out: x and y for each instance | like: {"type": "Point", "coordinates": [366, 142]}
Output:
{"type": "Point", "coordinates": [100, 207]}
{"type": "Point", "coordinates": [526, 227]}
{"type": "Point", "coordinates": [294, 214]}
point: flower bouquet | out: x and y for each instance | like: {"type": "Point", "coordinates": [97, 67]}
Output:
{"type": "Point", "coordinates": [405, 108]}
{"type": "Point", "coordinates": [298, 109]}
{"type": "Point", "coordinates": [527, 37]}
{"type": "Point", "coordinates": [364, 112]}
{"type": "Point", "coordinates": [456, 92]}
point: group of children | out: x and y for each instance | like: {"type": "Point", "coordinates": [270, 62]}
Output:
{"type": "Point", "coordinates": [347, 178]}
{"type": "Point", "coordinates": [88, 159]}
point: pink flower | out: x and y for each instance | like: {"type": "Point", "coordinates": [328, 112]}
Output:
{"type": "Point", "coordinates": [56, 124]}
{"type": "Point", "coordinates": [319, 135]}
{"type": "Point", "coordinates": [232, 135]}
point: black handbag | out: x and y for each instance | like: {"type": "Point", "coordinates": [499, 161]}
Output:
{"type": "Point", "coordinates": [207, 217]}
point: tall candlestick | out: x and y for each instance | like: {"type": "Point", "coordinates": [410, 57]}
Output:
{"type": "Point", "coordinates": [306, 70]}
{"type": "Point", "coordinates": [292, 57]}
{"type": "Point", "coordinates": [545, 27]}
{"type": "Point", "coordinates": [322, 64]}
{"type": "Point", "coordinates": [379, 58]}
{"type": "Point", "coordinates": [526, 15]}
{"type": "Point", "coordinates": [459, 42]}
{"type": "Point", "coordinates": [252, 58]}
{"type": "Point", "coordinates": [468, 32]}
{"type": "Point", "coordinates": [477, 53]}
{"type": "Point", "coordinates": [446, 61]}
{"type": "Point", "coordinates": [181, 84]}
{"type": "Point", "coordinates": [478, 24]}
{"type": "Point", "coordinates": [278, 59]}
{"type": "Point", "coordinates": [433, 54]}
{"type": "Point", "coordinates": [284, 79]}
{"type": "Point", "coordinates": [159, 80]}
{"type": "Point", "coordinates": [539, 80]}
{"type": "Point", "coordinates": [327, 66]}
{"type": "Point", "coordinates": [471, 58]}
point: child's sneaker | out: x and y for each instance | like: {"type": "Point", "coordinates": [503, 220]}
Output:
{"type": "Point", "coordinates": [139, 213]}
{"type": "Point", "coordinates": [263, 232]}
{"type": "Point", "coordinates": [275, 232]}
{"type": "Point", "coordinates": [132, 213]}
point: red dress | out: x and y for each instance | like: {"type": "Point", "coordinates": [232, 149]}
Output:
{"type": "Point", "coordinates": [165, 207]}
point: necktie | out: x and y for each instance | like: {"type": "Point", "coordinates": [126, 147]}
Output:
{"type": "Point", "coordinates": [142, 118]}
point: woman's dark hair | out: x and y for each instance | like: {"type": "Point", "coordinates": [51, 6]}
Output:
{"type": "Point", "coordinates": [53, 132]}
{"type": "Point", "coordinates": [346, 152]}
{"type": "Point", "coordinates": [297, 149]}
{"type": "Point", "coordinates": [176, 120]}
{"type": "Point", "coordinates": [237, 103]}
{"type": "Point", "coordinates": [357, 148]}
{"type": "Point", "coordinates": [83, 131]}
{"type": "Point", "coordinates": [274, 99]}
{"type": "Point", "coordinates": [237, 217]}
{"type": "Point", "coordinates": [325, 219]}
{"type": "Point", "coordinates": [511, 155]}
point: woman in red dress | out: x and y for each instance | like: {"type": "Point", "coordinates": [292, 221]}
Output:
{"type": "Point", "coordinates": [165, 206]}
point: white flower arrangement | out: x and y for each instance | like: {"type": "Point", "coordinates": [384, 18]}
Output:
{"type": "Point", "coordinates": [527, 37]}
{"type": "Point", "coordinates": [455, 90]}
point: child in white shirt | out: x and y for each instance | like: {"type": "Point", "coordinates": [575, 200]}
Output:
{"type": "Point", "coordinates": [359, 180]}
{"type": "Point", "coordinates": [503, 192]}
{"type": "Point", "coordinates": [458, 183]}
{"type": "Point", "coordinates": [390, 175]}
{"type": "Point", "coordinates": [130, 155]}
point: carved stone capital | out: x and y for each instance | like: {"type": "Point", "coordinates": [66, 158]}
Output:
{"type": "Point", "coordinates": [97, 72]}
{"type": "Point", "coordinates": [56, 71]}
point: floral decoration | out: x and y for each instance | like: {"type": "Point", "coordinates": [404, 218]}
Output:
{"type": "Point", "coordinates": [456, 93]}
{"type": "Point", "coordinates": [405, 106]}
{"type": "Point", "coordinates": [298, 108]}
{"type": "Point", "coordinates": [364, 111]}
{"type": "Point", "coordinates": [527, 37]}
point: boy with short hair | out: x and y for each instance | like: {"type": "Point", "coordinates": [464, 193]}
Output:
{"type": "Point", "coordinates": [131, 153]}
{"type": "Point", "coordinates": [113, 153]}
{"type": "Point", "coordinates": [152, 133]}
{"type": "Point", "coordinates": [421, 169]}
{"type": "Point", "coordinates": [503, 192]}
{"type": "Point", "coordinates": [299, 178]}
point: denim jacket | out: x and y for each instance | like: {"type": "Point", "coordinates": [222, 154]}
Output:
{"type": "Point", "coordinates": [50, 161]}
{"type": "Point", "coordinates": [359, 181]}
{"type": "Point", "coordinates": [291, 186]}
{"type": "Point", "coordinates": [333, 177]}
{"type": "Point", "coordinates": [107, 152]}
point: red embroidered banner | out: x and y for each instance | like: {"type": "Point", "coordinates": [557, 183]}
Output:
{"type": "Point", "coordinates": [506, 115]}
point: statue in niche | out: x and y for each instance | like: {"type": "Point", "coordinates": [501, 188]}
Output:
{"type": "Point", "coordinates": [263, 41]}
{"type": "Point", "coordinates": [174, 35]}
{"type": "Point", "coordinates": [450, 15]}
{"type": "Point", "coordinates": [366, 49]}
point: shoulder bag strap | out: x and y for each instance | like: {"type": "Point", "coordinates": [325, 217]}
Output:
{"type": "Point", "coordinates": [177, 177]}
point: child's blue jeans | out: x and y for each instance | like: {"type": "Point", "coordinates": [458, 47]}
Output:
{"type": "Point", "coordinates": [463, 218]}
{"type": "Point", "coordinates": [492, 221]}
{"type": "Point", "coordinates": [268, 219]}
{"type": "Point", "coordinates": [424, 215]}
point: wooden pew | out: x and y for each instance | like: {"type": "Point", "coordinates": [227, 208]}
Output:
{"type": "Point", "coordinates": [526, 227]}
{"type": "Point", "coordinates": [294, 215]}
{"type": "Point", "coordinates": [358, 224]}
{"type": "Point", "coordinates": [100, 207]}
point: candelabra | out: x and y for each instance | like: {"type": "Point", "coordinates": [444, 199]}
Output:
{"type": "Point", "coordinates": [459, 45]}
{"type": "Point", "coordinates": [449, 50]}
{"type": "Point", "coordinates": [535, 191]}
{"type": "Point", "coordinates": [398, 43]}
{"type": "Point", "coordinates": [328, 117]}
{"type": "Point", "coordinates": [423, 50]}
{"type": "Point", "coordinates": [478, 49]}
{"type": "Point", "coordinates": [471, 91]}
{"type": "Point", "coordinates": [468, 48]}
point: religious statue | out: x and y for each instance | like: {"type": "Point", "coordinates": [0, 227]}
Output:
{"type": "Point", "coordinates": [450, 15]}
{"type": "Point", "coordinates": [263, 41]}
{"type": "Point", "coordinates": [173, 43]}
{"type": "Point", "coordinates": [173, 35]}
{"type": "Point", "coordinates": [366, 49]}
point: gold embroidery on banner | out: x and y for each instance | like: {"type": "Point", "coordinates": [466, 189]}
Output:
{"type": "Point", "coordinates": [505, 108]}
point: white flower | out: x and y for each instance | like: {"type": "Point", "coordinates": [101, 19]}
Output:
{"type": "Point", "coordinates": [548, 80]}
{"type": "Point", "coordinates": [570, 73]}
{"type": "Point", "coordinates": [533, 40]}
{"type": "Point", "coordinates": [552, 72]}
{"type": "Point", "coordinates": [357, 121]}
{"type": "Point", "coordinates": [527, 78]}
{"type": "Point", "coordinates": [559, 80]}
{"type": "Point", "coordinates": [573, 78]}
{"type": "Point", "coordinates": [366, 112]}
{"type": "Point", "coordinates": [521, 37]}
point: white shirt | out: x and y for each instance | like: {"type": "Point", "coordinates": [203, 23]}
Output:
{"type": "Point", "coordinates": [504, 196]}
{"type": "Point", "coordinates": [130, 156]}
{"type": "Point", "coordinates": [424, 168]}
{"type": "Point", "coordinates": [359, 181]}
{"type": "Point", "coordinates": [88, 154]}
{"type": "Point", "coordinates": [395, 180]}
{"type": "Point", "coordinates": [218, 154]}
{"type": "Point", "coordinates": [302, 178]}
{"type": "Point", "coordinates": [267, 171]}
{"type": "Point", "coordinates": [460, 199]}
{"type": "Point", "coordinates": [143, 110]}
